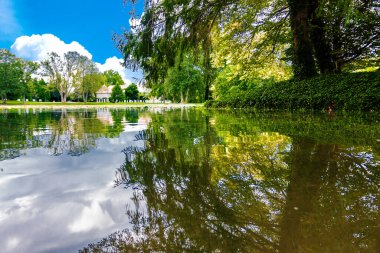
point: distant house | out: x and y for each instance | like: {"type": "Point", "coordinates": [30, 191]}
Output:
{"type": "Point", "coordinates": [104, 93]}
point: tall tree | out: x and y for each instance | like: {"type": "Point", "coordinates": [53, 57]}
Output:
{"type": "Point", "coordinates": [117, 94]}
{"type": "Point", "coordinates": [184, 82]}
{"type": "Point", "coordinates": [303, 59]}
{"type": "Point", "coordinates": [11, 73]}
{"type": "Point", "coordinates": [113, 78]}
{"type": "Point", "coordinates": [324, 35]}
{"type": "Point", "coordinates": [167, 30]}
{"type": "Point", "coordinates": [40, 90]}
{"type": "Point", "coordinates": [351, 30]}
{"type": "Point", "coordinates": [63, 72]}
{"type": "Point", "coordinates": [91, 84]}
{"type": "Point", "coordinates": [53, 67]}
{"type": "Point", "coordinates": [28, 68]}
{"type": "Point", "coordinates": [131, 92]}
{"type": "Point", "coordinates": [87, 77]}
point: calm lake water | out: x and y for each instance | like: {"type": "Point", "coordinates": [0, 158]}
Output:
{"type": "Point", "coordinates": [188, 180]}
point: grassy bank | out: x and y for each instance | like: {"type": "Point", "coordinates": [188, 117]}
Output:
{"type": "Point", "coordinates": [11, 102]}
{"type": "Point", "coordinates": [354, 91]}
{"type": "Point", "coordinates": [18, 104]}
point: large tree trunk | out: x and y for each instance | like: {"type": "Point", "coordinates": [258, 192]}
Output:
{"type": "Point", "coordinates": [181, 97]}
{"type": "Point", "coordinates": [207, 66]}
{"type": "Point", "coordinates": [322, 49]}
{"type": "Point", "coordinates": [85, 95]}
{"type": "Point", "coordinates": [303, 60]}
{"type": "Point", "coordinates": [63, 97]}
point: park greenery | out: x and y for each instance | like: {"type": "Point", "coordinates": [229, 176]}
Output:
{"type": "Point", "coordinates": [72, 77]}
{"type": "Point", "coordinates": [247, 53]}
{"type": "Point", "coordinates": [282, 54]}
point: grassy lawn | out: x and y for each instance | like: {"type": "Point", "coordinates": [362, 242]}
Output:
{"type": "Point", "coordinates": [18, 104]}
{"type": "Point", "coordinates": [11, 102]}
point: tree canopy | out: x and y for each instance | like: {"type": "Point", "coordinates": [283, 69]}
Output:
{"type": "Point", "coordinates": [132, 92]}
{"type": "Point", "coordinates": [117, 94]}
{"type": "Point", "coordinates": [113, 77]}
{"type": "Point", "coordinates": [254, 39]}
{"type": "Point", "coordinates": [15, 75]}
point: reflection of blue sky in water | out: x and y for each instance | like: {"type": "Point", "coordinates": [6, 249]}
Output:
{"type": "Point", "coordinates": [60, 204]}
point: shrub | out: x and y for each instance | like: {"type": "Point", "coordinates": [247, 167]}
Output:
{"type": "Point", "coordinates": [348, 91]}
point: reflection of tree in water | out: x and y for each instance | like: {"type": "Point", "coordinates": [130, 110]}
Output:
{"type": "Point", "coordinates": [260, 192]}
{"type": "Point", "coordinates": [121, 117]}
{"type": "Point", "coordinates": [331, 201]}
{"type": "Point", "coordinates": [60, 131]}
{"type": "Point", "coordinates": [17, 131]}
{"type": "Point", "coordinates": [74, 132]}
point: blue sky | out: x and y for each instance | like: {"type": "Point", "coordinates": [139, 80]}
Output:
{"type": "Point", "coordinates": [90, 24]}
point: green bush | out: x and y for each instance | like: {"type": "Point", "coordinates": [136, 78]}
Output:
{"type": "Point", "coordinates": [348, 91]}
{"type": "Point", "coordinates": [117, 94]}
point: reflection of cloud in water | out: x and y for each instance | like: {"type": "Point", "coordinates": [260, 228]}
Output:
{"type": "Point", "coordinates": [60, 204]}
{"type": "Point", "coordinates": [92, 217]}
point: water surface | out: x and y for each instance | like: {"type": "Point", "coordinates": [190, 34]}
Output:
{"type": "Point", "coordinates": [189, 181]}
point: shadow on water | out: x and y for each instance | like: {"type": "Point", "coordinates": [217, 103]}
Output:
{"type": "Point", "coordinates": [246, 182]}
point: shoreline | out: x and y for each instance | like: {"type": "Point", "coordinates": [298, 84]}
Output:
{"type": "Point", "coordinates": [86, 106]}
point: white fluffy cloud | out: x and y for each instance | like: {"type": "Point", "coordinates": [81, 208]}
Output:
{"type": "Point", "coordinates": [114, 63]}
{"type": "Point", "coordinates": [36, 47]}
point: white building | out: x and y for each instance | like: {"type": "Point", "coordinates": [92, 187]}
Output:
{"type": "Point", "coordinates": [104, 93]}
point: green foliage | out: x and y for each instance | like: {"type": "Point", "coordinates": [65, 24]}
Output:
{"type": "Point", "coordinates": [60, 72]}
{"type": "Point", "coordinates": [11, 74]}
{"type": "Point", "coordinates": [143, 96]}
{"type": "Point", "coordinates": [87, 78]}
{"type": "Point", "coordinates": [132, 92]}
{"type": "Point", "coordinates": [117, 94]}
{"type": "Point", "coordinates": [28, 68]}
{"type": "Point", "coordinates": [38, 89]}
{"type": "Point", "coordinates": [228, 82]}
{"type": "Point", "coordinates": [91, 84]}
{"type": "Point", "coordinates": [352, 30]}
{"type": "Point", "coordinates": [254, 39]}
{"type": "Point", "coordinates": [68, 73]}
{"type": "Point", "coordinates": [355, 91]}
{"type": "Point", "coordinates": [113, 78]}
{"type": "Point", "coordinates": [184, 83]}
{"type": "Point", "coordinates": [169, 29]}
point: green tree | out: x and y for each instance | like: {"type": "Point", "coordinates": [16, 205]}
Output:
{"type": "Point", "coordinates": [143, 96]}
{"type": "Point", "coordinates": [11, 73]}
{"type": "Point", "coordinates": [132, 92]}
{"type": "Point", "coordinates": [113, 78]}
{"type": "Point", "coordinates": [184, 83]}
{"type": "Point", "coordinates": [88, 80]}
{"type": "Point", "coordinates": [53, 67]}
{"type": "Point", "coordinates": [117, 94]}
{"type": "Point", "coordinates": [67, 72]}
{"type": "Point", "coordinates": [26, 82]}
{"type": "Point", "coordinates": [351, 33]}
{"type": "Point", "coordinates": [84, 67]}
{"type": "Point", "coordinates": [314, 36]}
{"type": "Point", "coordinates": [157, 43]}
{"type": "Point", "coordinates": [91, 84]}
{"type": "Point", "coordinates": [42, 90]}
